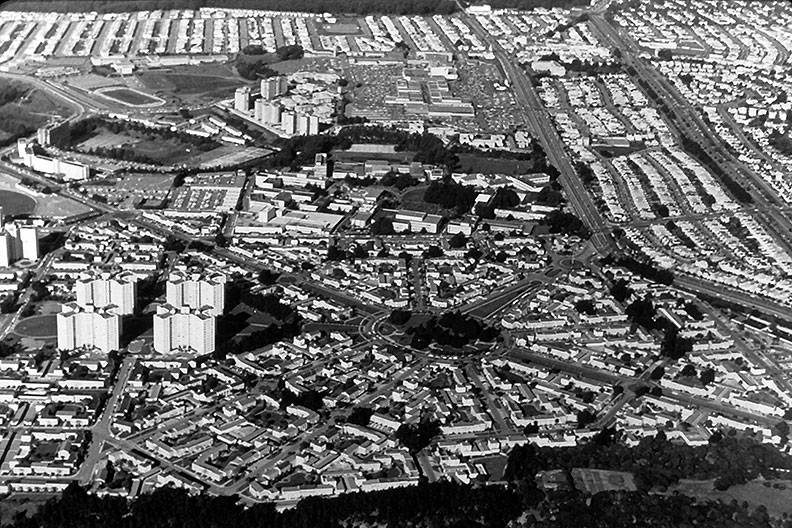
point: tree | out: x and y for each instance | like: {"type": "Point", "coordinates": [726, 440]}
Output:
{"type": "Point", "coordinates": [268, 277]}
{"type": "Point", "coordinates": [459, 240]}
{"type": "Point", "coordinates": [418, 436]}
{"type": "Point", "coordinates": [433, 252]}
{"type": "Point", "coordinates": [657, 373]}
{"type": "Point", "coordinates": [673, 346]}
{"type": "Point", "coordinates": [586, 306]}
{"type": "Point", "coordinates": [360, 416]}
{"type": "Point", "coordinates": [620, 290]}
{"type": "Point", "coordinates": [290, 52]}
{"type": "Point", "coordinates": [688, 370]}
{"type": "Point", "coordinates": [585, 418]}
{"type": "Point", "coordinates": [707, 376]}
{"type": "Point", "coordinates": [642, 312]}
{"type": "Point", "coordinates": [400, 317]}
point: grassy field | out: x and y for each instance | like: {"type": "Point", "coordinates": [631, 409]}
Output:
{"type": "Point", "coordinates": [23, 114]}
{"type": "Point", "coordinates": [14, 203]}
{"type": "Point", "coordinates": [37, 326]}
{"type": "Point", "coordinates": [157, 148]}
{"type": "Point", "coordinates": [193, 83]}
{"type": "Point", "coordinates": [413, 199]}
{"type": "Point", "coordinates": [53, 207]}
{"type": "Point", "coordinates": [131, 97]}
{"type": "Point", "coordinates": [474, 163]}
{"type": "Point", "coordinates": [21, 503]}
{"type": "Point", "coordinates": [776, 496]}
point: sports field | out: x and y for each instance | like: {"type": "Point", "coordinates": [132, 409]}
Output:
{"type": "Point", "coordinates": [37, 326]}
{"type": "Point", "coordinates": [14, 203]}
{"type": "Point", "coordinates": [130, 97]}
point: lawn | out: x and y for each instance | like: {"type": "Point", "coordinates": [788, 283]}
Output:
{"type": "Point", "coordinates": [14, 203]}
{"type": "Point", "coordinates": [775, 495]}
{"type": "Point", "coordinates": [413, 199]}
{"type": "Point", "coordinates": [159, 149]}
{"type": "Point", "coordinates": [473, 163]}
{"type": "Point", "coordinates": [190, 83]}
{"type": "Point", "coordinates": [37, 326]}
{"type": "Point", "coordinates": [130, 97]}
{"type": "Point", "coordinates": [23, 109]}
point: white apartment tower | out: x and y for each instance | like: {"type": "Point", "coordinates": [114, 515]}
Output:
{"type": "Point", "coordinates": [272, 113]}
{"type": "Point", "coordinates": [197, 291]}
{"type": "Point", "coordinates": [184, 330]}
{"type": "Point", "coordinates": [87, 326]}
{"type": "Point", "coordinates": [258, 111]}
{"type": "Point", "coordinates": [18, 241]}
{"type": "Point", "coordinates": [104, 289]}
{"type": "Point", "coordinates": [242, 99]}
{"type": "Point", "coordinates": [272, 87]}
{"type": "Point", "coordinates": [289, 122]}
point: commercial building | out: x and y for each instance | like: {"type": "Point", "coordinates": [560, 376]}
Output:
{"type": "Point", "coordinates": [184, 330]}
{"type": "Point", "coordinates": [88, 326]}
{"type": "Point", "coordinates": [104, 289]}
{"type": "Point", "coordinates": [197, 291]}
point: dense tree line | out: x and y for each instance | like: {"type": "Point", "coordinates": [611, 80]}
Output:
{"type": "Point", "coordinates": [253, 69]}
{"type": "Point", "coordinates": [620, 509]}
{"type": "Point", "coordinates": [449, 194]}
{"type": "Point", "coordinates": [655, 461]}
{"type": "Point", "coordinates": [399, 180]}
{"type": "Point", "coordinates": [268, 335]}
{"type": "Point", "coordinates": [418, 436]}
{"type": "Point", "coordinates": [399, 317]}
{"type": "Point", "coordinates": [427, 148]}
{"type": "Point", "coordinates": [253, 61]}
{"type": "Point", "coordinates": [14, 120]}
{"type": "Point", "coordinates": [76, 133]}
{"type": "Point", "coordinates": [566, 224]}
{"type": "Point", "coordinates": [781, 142]}
{"type": "Point", "coordinates": [287, 322]}
{"type": "Point", "coordinates": [11, 92]}
{"type": "Point", "coordinates": [361, 7]}
{"type": "Point", "coordinates": [696, 150]}
{"type": "Point", "coordinates": [441, 504]}
{"type": "Point", "coordinates": [646, 269]}
{"type": "Point", "coordinates": [453, 329]}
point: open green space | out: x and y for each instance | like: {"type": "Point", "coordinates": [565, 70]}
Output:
{"type": "Point", "coordinates": [37, 326]}
{"type": "Point", "coordinates": [15, 203]}
{"type": "Point", "coordinates": [23, 109]}
{"type": "Point", "coordinates": [775, 495]}
{"type": "Point", "coordinates": [133, 142]}
{"type": "Point", "coordinates": [131, 97]}
{"type": "Point", "coordinates": [473, 163]}
{"type": "Point", "coordinates": [188, 83]}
